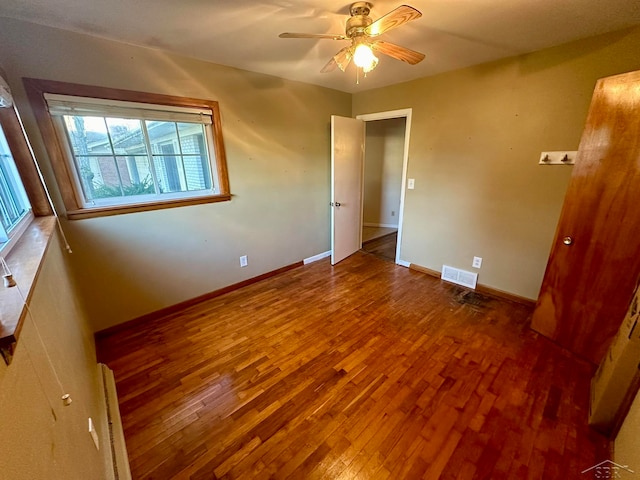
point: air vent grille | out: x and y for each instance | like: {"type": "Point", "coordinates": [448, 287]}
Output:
{"type": "Point", "coordinates": [459, 277]}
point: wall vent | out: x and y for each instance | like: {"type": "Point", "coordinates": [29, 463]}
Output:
{"type": "Point", "coordinates": [460, 277]}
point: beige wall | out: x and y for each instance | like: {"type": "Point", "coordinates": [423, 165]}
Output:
{"type": "Point", "coordinates": [384, 149]}
{"type": "Point", "coordinates": [276, 134]}
{"type": "Point", "coordinates": [39, 437]}
{"type": "Point", "coordinates": [627, 442]}
{"type": "Point", "coordinates": [476, 137]}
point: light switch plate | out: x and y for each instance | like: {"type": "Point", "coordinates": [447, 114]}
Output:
{"type": "Point", "coordinates": [411, 183]}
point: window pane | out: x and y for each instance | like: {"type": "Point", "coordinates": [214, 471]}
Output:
{"type": "Point", "coordinates": [196, 157]}
{"type": "Point", "coordinates": [103, 175]}
{"type": "Point", "coordinates": [139, 171]}
{"type": "Point", "coordinates": [126, 136]}
{"type": "Point", "coordinates": [10, 209]}
{"type": "Point", "coordinates": [119, 176]}
{"type": "Point", "coordinates": [189, 134]}
{"type": "Point", "coordinates": [99, 177]}
{"type": "Point", "coordinates": [88, 135]}
{"type": "Point", "coordinates": [162, 133]}
{"type": "Point", "coordinates": [13, 200]}
{"type": "Point", "coordinates": [163, 137]}
{"type": "Point", "coordinates": [169, 172]}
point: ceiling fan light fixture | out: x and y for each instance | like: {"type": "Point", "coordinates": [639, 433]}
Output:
{"type": "Point", "coordinates": [360, 29]}
{"type": "Point", "coordinates": [364, 58]}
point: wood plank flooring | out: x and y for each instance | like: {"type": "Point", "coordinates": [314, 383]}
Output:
{"type": "Point", "coordinates": [364, 370]}
{"type": "Point", "coordinates": [371, 233]}
{"type": "Point", "coordinates": [383, 247]}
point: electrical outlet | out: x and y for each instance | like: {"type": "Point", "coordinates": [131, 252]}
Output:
{"type": "Point", "coordinates": [244, 261]}
{"type": "Point", "coordinates": [393, 213]}
{"type": "Point", "coordinates": [477, 262]}
{"type": "Point", "coordinates": [94, 434]}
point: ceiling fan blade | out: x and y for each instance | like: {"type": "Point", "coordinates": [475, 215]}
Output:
{"type": "Point", "coordinates": [400, 53]}
{"type": "Point", "coordinates": [312, 35]}
{"type": "Point", "coordinates": [330, 66]}
{"type": "Point", "coordinates": [343, 57]}
{"type": "Point", "coordinates": [393, 19]}
{"type": "Point", "coordinates": [340, 60]}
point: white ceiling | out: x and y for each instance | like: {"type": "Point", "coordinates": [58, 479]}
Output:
{"type": "Point", "coordinates": [244, 33]}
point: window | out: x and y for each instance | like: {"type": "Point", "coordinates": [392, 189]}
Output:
{"type": "Point", "coordinates": [22, 197]}
{"type": "Point", "coordinates": [15, 210]}
{"type": "Point", "coordinates": [117, 151]}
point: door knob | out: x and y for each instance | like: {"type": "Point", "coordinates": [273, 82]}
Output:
{"type": "Point", "coordinates": [567, 240]}
{"type": "Point", "coordinates": [337, 204]}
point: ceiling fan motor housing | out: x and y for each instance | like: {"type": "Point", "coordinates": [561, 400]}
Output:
{"type": "Point", "coordinates": [359, 19]}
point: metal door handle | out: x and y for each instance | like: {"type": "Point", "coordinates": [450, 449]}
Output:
{"type": "Point", "coordinates": [567, 240]}
{"type": "Point", "coordinates": [337, 204]}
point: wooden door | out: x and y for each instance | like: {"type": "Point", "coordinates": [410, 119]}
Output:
{"type": "Point", "coordinates": [347, 157]}
{"type": "Point", "coordinates": [595, 258]}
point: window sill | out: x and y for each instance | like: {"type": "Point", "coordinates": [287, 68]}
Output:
{"type": "Point", "coordinates": [143, 207]}
{"type": "Point", "coordinates": [24, 261]}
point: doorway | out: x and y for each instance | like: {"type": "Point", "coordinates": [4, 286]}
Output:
{"type": "Point", "coordinates": [385, 165]}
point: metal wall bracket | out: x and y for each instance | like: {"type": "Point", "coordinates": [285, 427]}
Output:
{"type": "Point", "coordinates": [558, 158]}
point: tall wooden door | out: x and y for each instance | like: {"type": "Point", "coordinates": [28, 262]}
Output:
{"type": "Point", "coordinates": [347, 163]}
{"type": "Point", "coordinates": [595, 258]}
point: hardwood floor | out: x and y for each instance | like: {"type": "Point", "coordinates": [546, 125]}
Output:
{"type": "Point", "coordinates": [362, 370]}
{"type": "Point", "coordinates": [383, 247]}
{"type": "Point", "coordinates": [371, 233]}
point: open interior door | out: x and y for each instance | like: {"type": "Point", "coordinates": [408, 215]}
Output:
{"type": "Point", "coordinates": [347, 162]}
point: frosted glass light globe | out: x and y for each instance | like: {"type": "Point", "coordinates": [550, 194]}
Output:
{"type": "Point", "coordinates": [364, 58]}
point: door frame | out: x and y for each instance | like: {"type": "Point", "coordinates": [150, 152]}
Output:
{"type": "Point", "coordinates": [406, 114]}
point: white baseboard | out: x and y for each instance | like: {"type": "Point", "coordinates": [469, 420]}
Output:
{"type": "Point", "coordinates": [404, 263]}
{"type": "Point", "coordinates": [317, 257]}
{"type": "Point", "coordinates": [386, 225]}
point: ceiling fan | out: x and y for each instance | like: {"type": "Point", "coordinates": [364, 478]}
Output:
{"type": "Point", "coordinates": [361, 30]}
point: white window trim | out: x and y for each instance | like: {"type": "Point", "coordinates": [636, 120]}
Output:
{"type": "Point", "coordinates": [16, 232]}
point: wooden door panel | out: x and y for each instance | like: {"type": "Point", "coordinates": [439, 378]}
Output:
{"type": "Point", "coordinates": [589, 283]}
{"type": "Point", "coordinates": [347, 157]}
